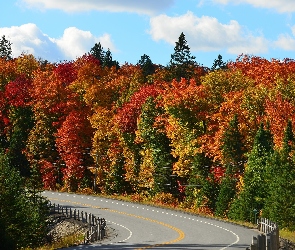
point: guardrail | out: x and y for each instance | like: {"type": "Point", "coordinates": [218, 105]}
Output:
{"type": "Point", "coordinates": [97, 226]}
{"type": "Point", "coordinates": [269, 239]}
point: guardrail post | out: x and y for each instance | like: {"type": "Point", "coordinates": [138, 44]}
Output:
{"type": "Point", "coordinates": [97, 226]}
{"type": "Point", "coordinates": [268, 242]}
{"type": "Point", "coordinates": [253, 246]}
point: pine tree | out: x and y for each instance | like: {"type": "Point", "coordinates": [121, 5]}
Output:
{"type": "Point", "coordinates": [280, 204]}
{"type": "Point", "coordinates": [108, 60]}
{"type": "Point", "coordinates": [232, 146]}
{"type": "Point", "coordinates": [159, 145]}
{"type": "Point", "coordinates": [23, 217]}
{"type": "Point", "coordinates": [147, 66]}
{"type": "Point", "coordinates": [233, 158]}
{"type": "Point", "coordinates": [182, 63]}
{"type": "Point", "coordinates": [5, 48]}
{"type": "Point", "coordinates": [254, 192]}
{"type": "Point", "coordinates": [105, 57]}
{"type": "Point", "coordinates": [218, 64]}
{"type": "Point", "coordinates": [98, 52]}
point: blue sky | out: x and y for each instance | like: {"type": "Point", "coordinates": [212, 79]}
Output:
{"type": "Point", "coordinates": [59, 30]}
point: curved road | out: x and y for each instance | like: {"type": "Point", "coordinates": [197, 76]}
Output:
{"type": "Point", "coordinates": [135, 226]}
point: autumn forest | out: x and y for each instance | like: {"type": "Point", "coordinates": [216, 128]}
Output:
{"type": "Point", "coordinates": [219, 140]}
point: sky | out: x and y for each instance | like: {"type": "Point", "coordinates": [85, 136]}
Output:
{"type": "Point", "coordinates": [58, 30]}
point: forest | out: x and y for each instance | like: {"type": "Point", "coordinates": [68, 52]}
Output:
{"type": "Point", "coordinates": [219, 141]}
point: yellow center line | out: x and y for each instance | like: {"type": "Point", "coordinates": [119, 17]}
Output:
{"type": "Point", "coordinates": [180, 237]}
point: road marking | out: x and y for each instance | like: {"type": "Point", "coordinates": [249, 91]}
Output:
{"type": "Point", "coordinates": [180, 237]}
{"type": "Point", "coordinates": [130, 232]}
{"type": "Point", "coordinates": [197, 220]}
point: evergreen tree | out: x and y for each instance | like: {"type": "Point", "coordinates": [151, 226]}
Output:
{"type": "Point", "coordinates": [233, 158]}
{"type": "Point", "coordinates": [5, 48]}
{"type": "Point", "coordinates": [98, 52]}
{"type": "Point", "coordinates": [280, 203]}
{"type": "Point", "coordinates": [254, 191]}
{"type": "Point", "coordinates": [108, 60]}
{"type": "Point", "coordinates": [218, 64]}
{"type": "Point", "coordinates": [22, 122]}
{"type": "Point", "coordinates": [147, 66]}
{"type": "Point", "coordinates": [182, 63]}
{"type": "Point", "coordinates": [198, 181]}
{"type": "Point", "coordinates": [22, 217]}
{"type": "Point", "coordinates": [160, 146]}
{"type": "Point", "coordinates": [105, 57]}
{"type": "Point", "coordinates": [233, 147]}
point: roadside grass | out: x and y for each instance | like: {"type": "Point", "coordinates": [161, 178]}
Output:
{"type": "Point", "coordinates": [67, 241]}
{"type": "Point", "coordinates": [288, 235]}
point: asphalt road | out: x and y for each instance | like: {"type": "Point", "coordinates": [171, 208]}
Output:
{"type": "Point", "coordinates": [135, 226]}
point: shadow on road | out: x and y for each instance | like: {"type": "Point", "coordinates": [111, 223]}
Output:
{"type": "Point", "coordinates": [122, 245]}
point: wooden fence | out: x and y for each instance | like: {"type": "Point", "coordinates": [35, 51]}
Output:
{"type": "Point", "coordinates": [269, 239]}
{"type": "Point", "coordinates": [97, 226]}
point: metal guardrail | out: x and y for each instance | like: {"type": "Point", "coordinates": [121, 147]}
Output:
{"type": "Point", "coordinates": [97, 226]}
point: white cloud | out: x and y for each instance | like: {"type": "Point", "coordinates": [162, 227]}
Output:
{"type": "Point", "coordinates": [75, 42]}
{"type": "Point", "coordinates": [206, 34]}
{"type": "Point", "coordinates": [28, 38]}
{"type": "Point", "coordinates": [142, 7]}
{"type": "Point", "coordinates": [286, 41]}
{"type": "Point", "coordinates": [279, 5]}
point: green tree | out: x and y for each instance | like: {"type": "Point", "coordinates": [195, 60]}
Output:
{"type": "Point", "coordinates": [182, 63]}
{"type": "Point", "coordinates": [108, 60]}
{"type": "Point", "coordinates": [147, 66]}
{"type": "Point", "coordinates": [254, 192]}
{"type": "Point", "coordinates": [105, 57]}
{"type": "Point", "coordinates": [218, 64]}
{"type": "Point", "coordinates": [233, 158]}
{"type": "Point", "coordinates": [233, 147]}
{"type": "Point", "coordinates": [5, 48]}
{"type": "Point", "coordinates": [22, 122]}
{"type": "Point", "coordinates": [280, 203]}
{"type": "Point", "coordinates": [159, 144]}
{"type": "Point", "coordinates": [22, 216]}
{"type": "Point", "coordinates": [98, 52]}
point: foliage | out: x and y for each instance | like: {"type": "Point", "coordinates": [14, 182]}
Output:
{"type": "Point", "coordinates": [233, 158]}
{"type": "Point", "coordinates": [281, 183]}
{"type": "Point", "coordinates": [105, 57]}
{"type": "Point", "coordinates": [147, 66]}
{"type": "Point", "coordinates": [5, 48]}
{"type": "Point", "coordinates": [23, 211]}
{"type": "Point", "coordinates": [254, 191]}
{"type": "Point", "coordinates": [182, 62]}
{"type": "Point", "coordinates": [219, 64]}
{"type": "Point", "coordinates": [180, 131]}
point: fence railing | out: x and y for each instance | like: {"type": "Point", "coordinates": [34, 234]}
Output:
{"type": "Point", "coordinates": [97, 226]}
{"type": "Point", "coordinates": [269, 239]}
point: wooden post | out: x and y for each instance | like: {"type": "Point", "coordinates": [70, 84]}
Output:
{"type": "Point", "coordinates": [254, 243]}
{"type": "Point", "coordinates": [268, 242]}
{"type": "Point", "coordinates": [261, 242]}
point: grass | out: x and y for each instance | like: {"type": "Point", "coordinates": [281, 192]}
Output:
{"type": "Point", "coordinates": [288, 235]}
{"type": "Point", "coordinates": [68, 241]}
